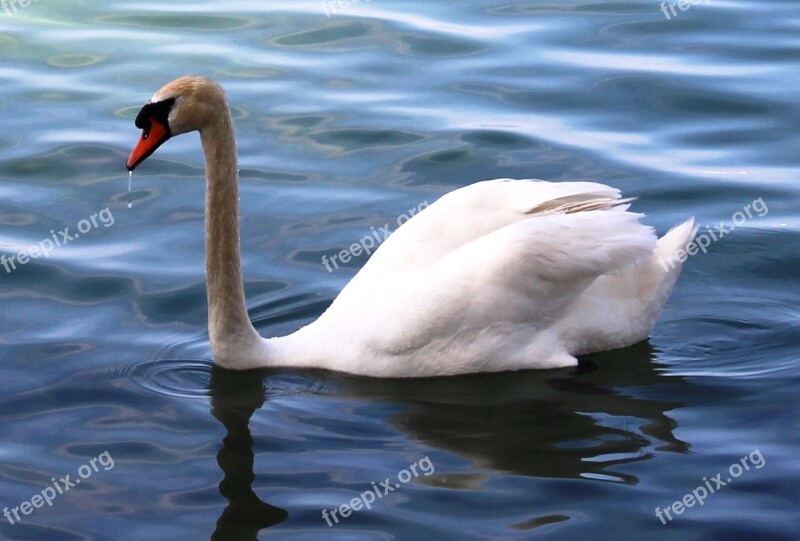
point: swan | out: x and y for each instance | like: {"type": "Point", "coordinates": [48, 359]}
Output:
{"type": "Point", "coordinates": [498, 275]}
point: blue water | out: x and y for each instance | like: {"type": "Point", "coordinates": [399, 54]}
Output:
{"type": "Point", "coordinates": [345, 122]}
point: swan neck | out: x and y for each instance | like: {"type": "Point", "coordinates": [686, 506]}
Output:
{"type": "Point", "coordinates": [229, 326]}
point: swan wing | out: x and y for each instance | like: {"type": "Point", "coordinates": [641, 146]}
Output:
{"type": "Point", "coordinates": [467, 214]}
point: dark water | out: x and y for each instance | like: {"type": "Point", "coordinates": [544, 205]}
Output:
{"type": "Point", "coordinates": [345, 122]}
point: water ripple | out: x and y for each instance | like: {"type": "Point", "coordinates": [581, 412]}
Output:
{"type": "Point", "coordinates": [171, 377]}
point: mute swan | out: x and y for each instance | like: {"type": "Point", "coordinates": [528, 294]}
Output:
{"type": "Point", "coordinates": [499, 275]}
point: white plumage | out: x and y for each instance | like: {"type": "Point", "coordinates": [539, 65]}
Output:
{"type": "Point", "coordinates": [499, 275]}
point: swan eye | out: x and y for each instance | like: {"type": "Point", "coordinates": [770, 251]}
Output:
{"type": "Point", "coordinates": [158, 111]}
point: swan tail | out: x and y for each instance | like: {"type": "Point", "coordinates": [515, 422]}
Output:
{"type": "Point", "coordinates": [657, 274]}
{"type": "Point", "coordinates": [664, 267]}
{"type": "Point", "coordinates": [630, 299]}
{"type": "Point", "coordinates": [669, 247]}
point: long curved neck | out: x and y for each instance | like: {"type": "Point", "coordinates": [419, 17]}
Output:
{"type": "Point", "coordinates": [233, 337]}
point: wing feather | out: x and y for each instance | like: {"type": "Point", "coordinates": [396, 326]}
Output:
{"type": "Point", "coordinates": [467, 214]}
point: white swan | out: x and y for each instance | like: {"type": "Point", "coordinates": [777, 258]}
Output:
{"type": "Point", "coordinates": [499, 275]}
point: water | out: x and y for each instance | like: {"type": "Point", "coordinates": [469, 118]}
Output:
{"type": "Point", "coordinates": [344, 123]}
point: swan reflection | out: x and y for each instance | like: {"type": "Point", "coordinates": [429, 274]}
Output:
{"type": "Point", "coordinates": [567, 423]}
{"type": "Point", "coordinates": [571, 423]}
{"type": "Point", "coordinates": [234, 398]}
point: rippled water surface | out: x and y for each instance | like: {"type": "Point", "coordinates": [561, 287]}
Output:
{"type": "Point", "coordinates": [345, 121]}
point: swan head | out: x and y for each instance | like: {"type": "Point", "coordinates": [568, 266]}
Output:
{"type": "Point", "coordinates": [186, 104]}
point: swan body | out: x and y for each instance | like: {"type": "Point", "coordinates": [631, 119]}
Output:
{"type": "Point", "coordinates": [499, 275]}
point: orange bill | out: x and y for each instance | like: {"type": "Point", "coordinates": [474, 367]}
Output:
{"type": "Point", "coordinates": [153, 136]}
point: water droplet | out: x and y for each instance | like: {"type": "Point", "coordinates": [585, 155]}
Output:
{"type": "Point", "coordinates": [130, 185]}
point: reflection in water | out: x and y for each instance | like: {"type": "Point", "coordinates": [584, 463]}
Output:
{"type": "Point", "coordinates": [567, 424]}
{"type": "Point", "coordinates": [234, 398]}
